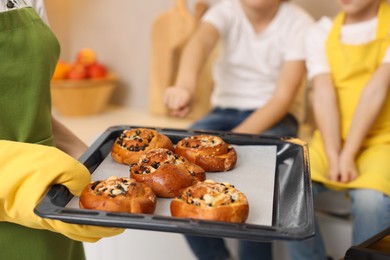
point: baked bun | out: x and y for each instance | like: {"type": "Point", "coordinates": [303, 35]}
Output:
{"type": "Point", "coordinates": [208, 151]}
{"type": "Point", "coordinates": [129, 146]}
{"type": "Point", "coordinates": [118, 195]}
{"type": "Point", "coordinates": [211, 200]}
{"type": "Point", "coordinates": [165, 172]}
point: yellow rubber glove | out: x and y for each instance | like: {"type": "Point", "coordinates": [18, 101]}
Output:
{"type": "Point", "coordinates": [26, 173]}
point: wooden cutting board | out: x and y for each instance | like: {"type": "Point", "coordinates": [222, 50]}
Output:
{"type": "Point", "coordinates": [170, 32]}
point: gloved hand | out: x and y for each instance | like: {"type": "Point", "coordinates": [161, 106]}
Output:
{"type": "Point", "coordinates": [26, 173]}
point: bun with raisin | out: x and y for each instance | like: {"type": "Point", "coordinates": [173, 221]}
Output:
{"type": "Point", "coordinates": [210, 152]}
{"type": "Point", "coordinates": [166, 172]}
{"type": "Point", "coordinates": [211, 200]}
{"type": "Point", "coordinates": [129, 146]}
{"type": "Point", "coordinates": [118, 195]}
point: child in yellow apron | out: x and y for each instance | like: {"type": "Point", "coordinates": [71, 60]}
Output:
{"type": "Point", "coordinates": [28, 55]}
{"type": "Point", "coordinates": [351, 148]}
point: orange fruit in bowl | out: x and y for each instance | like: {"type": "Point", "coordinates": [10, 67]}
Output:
{"type": "Point", "coordinates": [86, 57]}
{"type": "Point", "coordinates": [61, 71]}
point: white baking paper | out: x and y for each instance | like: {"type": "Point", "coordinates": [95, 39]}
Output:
{"type": "Point", "coordinates": [254, 175]}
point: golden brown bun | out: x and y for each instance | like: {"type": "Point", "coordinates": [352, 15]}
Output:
{"type": "Point", "coordinates": [209, 152]}
{"type": "Point", "coordinates": [165, 172]}
{"type": "Point", "coordinates": [129, 146]}
{"type": "Point", "coordinates": [118, 195]}
{"type": "Point", "coordinates": [210, 200]}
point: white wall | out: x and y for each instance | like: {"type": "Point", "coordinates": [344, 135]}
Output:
{"type": "Point", "coordinates": [119, 31]}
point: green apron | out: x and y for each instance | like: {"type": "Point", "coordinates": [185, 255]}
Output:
{"type": "Point", "coordinates": [28, 55]}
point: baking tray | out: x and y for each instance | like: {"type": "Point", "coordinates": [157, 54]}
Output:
{"type": "Point", "coordinates": [292, 213]}
{"type": "Point", "coordinates": [375, 248]}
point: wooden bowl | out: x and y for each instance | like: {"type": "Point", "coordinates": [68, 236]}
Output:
{"type": "Point", "coordinates": [82, 97]}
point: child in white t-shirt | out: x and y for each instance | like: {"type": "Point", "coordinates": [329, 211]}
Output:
{"type": "Point", "coordinates": [257, 76]}
{"type": "Point", "coordinates": [259, 70]}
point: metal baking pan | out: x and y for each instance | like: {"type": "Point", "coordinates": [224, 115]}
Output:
{"type": "Point", "coordinates": [292, 215]}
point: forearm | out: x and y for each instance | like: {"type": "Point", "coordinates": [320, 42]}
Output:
{"type": "Point", "coordinates": [369, 107]}
{"type": "Point", "coordinates": [287, 87]}
{"type": "Point", "coordinates": [263, 118]}
{"type": "Point", "coordinates": [178, 98]}
{"type": "Point", "coordinates": [67, 141]}
{"type": "Point", "coordinates": [195, 56]}
{"type": "Point", "coordinates": [190, 66]}
{"type": "Point", "coordinates": [326, 115]}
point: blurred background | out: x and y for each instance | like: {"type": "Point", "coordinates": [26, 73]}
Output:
{"type": "Point", "coordinates": [120, 33]}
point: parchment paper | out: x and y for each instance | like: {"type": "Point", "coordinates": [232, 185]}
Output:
{"type": "Point", "coordinates": [254, 175]}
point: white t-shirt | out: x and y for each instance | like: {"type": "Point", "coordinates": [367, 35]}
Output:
{"type": "Point", "coordinates": [249, 64]}
{"type": "Point", "coordinates": [352, 34]}
{"type": "Point", "coordinates": [38, 5]}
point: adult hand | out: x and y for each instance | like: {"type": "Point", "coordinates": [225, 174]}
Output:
{"type": "Point", "coordinates": [27, 171]}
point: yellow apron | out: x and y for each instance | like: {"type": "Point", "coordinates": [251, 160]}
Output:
{"type": "Point", "coordinates": [352, 66]}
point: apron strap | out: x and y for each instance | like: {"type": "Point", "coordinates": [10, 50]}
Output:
{"type": "Point", "coordinates": [335, 32]}
{"type": "Point", "coordinates": [382, 28]}
{"type": "Point", "coordinates": [383, 20]}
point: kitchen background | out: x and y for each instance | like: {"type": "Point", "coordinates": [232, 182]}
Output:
{"type": "Point", "coordinates": [119, 31]}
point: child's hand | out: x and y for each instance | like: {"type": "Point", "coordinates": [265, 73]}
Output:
{"type": "Point", "coordinates": [347, 168]}
{"type": "Point", "coordinates": [343, 170]}
{"type": "Point", "coordinates": [178, 100]}
{"type": "Point", "coordinates": [333, 173]}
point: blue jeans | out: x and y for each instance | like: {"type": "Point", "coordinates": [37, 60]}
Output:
{"type": "Point", "coordinates": [225, 119]}
{"type": "Point", "coordinates": [208, 248]}
{"type": "Point", "coordinates": [370, 214]}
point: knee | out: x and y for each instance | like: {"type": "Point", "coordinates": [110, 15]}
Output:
{"type": "Point", "coordinates": [368, 202]}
